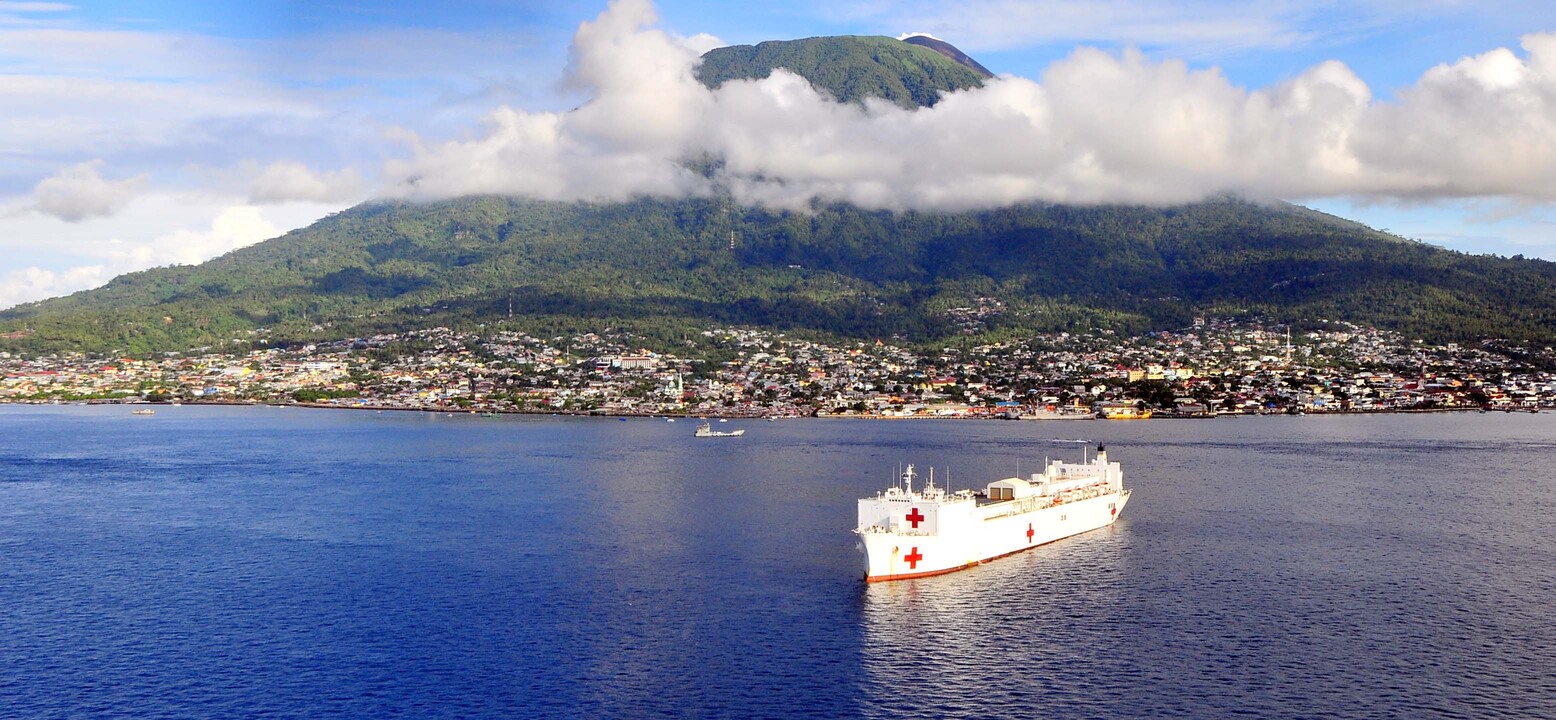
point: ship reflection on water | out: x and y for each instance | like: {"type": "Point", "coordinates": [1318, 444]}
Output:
{"type": "Point", "coordinates": [1010, 638]}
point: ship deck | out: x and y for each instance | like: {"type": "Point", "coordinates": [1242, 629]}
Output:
{"type": "Point", "coordinates": [1041, 502]}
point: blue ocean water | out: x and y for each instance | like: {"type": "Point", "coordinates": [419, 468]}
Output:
{"type": "Point", "coordinates": [244, 562]}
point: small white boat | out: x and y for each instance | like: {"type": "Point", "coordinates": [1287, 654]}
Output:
{"type": "Point", "coordinates": [143, 411]}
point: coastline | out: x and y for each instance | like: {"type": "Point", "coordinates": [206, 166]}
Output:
{"type": "Point", "coordinates": [488, 411]}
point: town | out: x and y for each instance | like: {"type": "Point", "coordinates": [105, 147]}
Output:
{"type": "Point", "coordinates": [1216, 367]}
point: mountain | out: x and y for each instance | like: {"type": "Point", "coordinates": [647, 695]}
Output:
{"type": "Point", "coordinates": [664, 268]}
{"type": "Point", "coordinates": [851, 68]}
{"type": "Point", "coordinates": [950, 51]}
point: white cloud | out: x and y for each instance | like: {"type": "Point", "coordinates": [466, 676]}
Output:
{"type": "Point", "coordinates": [49, 257]}
{"type": "Point", "coordinates": [78, 192]}
{"type": "Point", "coordinates": [1482, 126]}
{"type": "Point", "coordinates": [1099, 127]}
{"type": "Point", "coordinates": [167, 102]}
{"type": "Point", "coordinates": [700, 43]}
{"type": "Point", "coordinates": [645, 104]}
{"type": "Point", "coordinates": [145, 121]}
{"type": "Point", "coordinates": [286, 181]}
{"type": "Point", "coordinates": [35, 283]}
{"type": "Point", "coordinates": [232, 228]}
{"type": "Point", "coordinates": [33, 7]}
{"type": "Point", "coordinates": [59, 50]}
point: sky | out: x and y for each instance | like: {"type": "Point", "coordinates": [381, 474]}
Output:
{"type": "Point", "coordinates": [141, 134]}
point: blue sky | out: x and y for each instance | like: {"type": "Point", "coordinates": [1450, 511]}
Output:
{"type": "Point", "coordinates": [147, 133]}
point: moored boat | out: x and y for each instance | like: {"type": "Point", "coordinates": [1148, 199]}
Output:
{"type": "Point", "coordinates": [706, 430]}
{"type": "Point", "coordinates": [1052, 412]}
{"type": "Point", "coordinates": [1125, 412]}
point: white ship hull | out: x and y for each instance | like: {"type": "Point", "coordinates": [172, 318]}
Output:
{"type": "Point", "coordinates": [893, 556]}
{"type": "Point", "coordinates": [904, 534]}
{"type": "Point", "coordinates": [704, 430]}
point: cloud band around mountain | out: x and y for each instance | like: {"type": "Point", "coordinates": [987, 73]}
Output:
{"type": "Point", "coordinates": [1097, 127]}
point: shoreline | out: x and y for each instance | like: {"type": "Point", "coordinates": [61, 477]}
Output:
{"type": "Point", "coordinates": [851, 416]}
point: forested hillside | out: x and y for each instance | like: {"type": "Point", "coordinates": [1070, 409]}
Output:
{"type": "Point", "coordinates": [667, 268]}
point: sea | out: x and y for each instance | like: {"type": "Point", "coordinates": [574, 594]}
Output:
{"type": "Point", "coordinates": [284, 562]}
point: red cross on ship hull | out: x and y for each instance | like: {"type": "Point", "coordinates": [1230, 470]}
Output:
{"type": "Point", "coordinates": [904, 538]}
{"type": "Point", "coordinates": [942, 571]}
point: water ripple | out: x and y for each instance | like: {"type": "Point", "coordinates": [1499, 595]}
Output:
{"type": "Point", "coordinates": [242, 562]}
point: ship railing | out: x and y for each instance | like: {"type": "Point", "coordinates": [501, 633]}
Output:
{"type": "Point", "coordinates": [882, 529]}
{"type": "Point", "coordinates": [1037, 502]}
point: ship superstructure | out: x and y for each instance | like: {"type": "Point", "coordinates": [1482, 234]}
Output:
{"type": "Point", "coordinates": [706, 430]}
{"type": "Point", "coordinates": [907, 533]}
